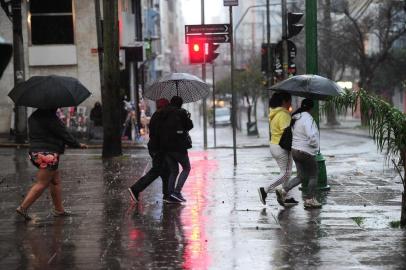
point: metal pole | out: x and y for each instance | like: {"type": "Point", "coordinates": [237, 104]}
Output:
{"type": "Point", "coordinates": [312, 68]}
{"type": "Point", "coordinates": [20, 126]}
{"type": "Point", "coordinates": [214, 103]}
{"type": "Point", "coordinates": [233, 94]}
{"type": "Point", "coordinates": [284, 41]}
{"type": "Point", "coordinates": [268, 44]}
{"type": "Point", "coordinates": [204, 100]}
{"type": "Point", "coordinates": [138, 36]}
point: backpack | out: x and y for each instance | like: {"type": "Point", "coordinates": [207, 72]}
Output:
{"type": "Point", "coordinates": [174, 134]}
{"type": "Point", "coordinates": [286, 138]}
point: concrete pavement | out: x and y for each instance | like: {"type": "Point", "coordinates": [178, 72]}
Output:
{"type": "Point", "coordinates": [222, 226]}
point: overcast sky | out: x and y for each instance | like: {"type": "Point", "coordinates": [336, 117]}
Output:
{"type": "Point", "coordinates": [215, 12]}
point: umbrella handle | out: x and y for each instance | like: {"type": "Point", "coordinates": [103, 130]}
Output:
{"type": "Point", "coordinates": [177, 90]}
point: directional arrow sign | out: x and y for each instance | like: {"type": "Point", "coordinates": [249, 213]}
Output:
{"type": "Point", "coordinates": [207, 28]}
{"type": "Point", "coordinates": [209, 38]}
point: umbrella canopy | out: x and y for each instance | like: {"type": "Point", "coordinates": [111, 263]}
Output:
{"type": "Point", "coordinates": [310, 86]}
{"type": "Point", "coordinates": [49, 92]}
{"type": "Point", "coordinates": [189, 87]}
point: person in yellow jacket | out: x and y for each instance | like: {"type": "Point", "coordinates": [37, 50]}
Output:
{"type": "Point", "coordinates": [279, 119]}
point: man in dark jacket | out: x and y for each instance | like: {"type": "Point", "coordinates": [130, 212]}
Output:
{"type": "Point", "coordinates": [159, 167]}
{"type": "Point", "coordinates": [175, 141]}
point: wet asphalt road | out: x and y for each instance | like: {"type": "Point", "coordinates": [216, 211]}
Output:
{"type": "Point", "coordinates": [222, 226]}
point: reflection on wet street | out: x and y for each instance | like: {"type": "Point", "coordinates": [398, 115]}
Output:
{"type": "Point", "coordinates": [222, 226]}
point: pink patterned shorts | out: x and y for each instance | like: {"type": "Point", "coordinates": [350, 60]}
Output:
{"type": "Point", "coordinates": [45, 160]}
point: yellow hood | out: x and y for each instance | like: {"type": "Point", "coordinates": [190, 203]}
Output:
{"type": "Point", "coordinates": [273, 112]}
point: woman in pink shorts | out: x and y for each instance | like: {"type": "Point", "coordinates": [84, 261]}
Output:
{"type": "Point", "coordinates": [48, 137]}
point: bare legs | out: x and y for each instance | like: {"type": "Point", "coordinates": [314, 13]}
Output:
{"type": "Point", "coordinates": [56, 192]}
{"type": "Point", "coordinates": [44, 179]}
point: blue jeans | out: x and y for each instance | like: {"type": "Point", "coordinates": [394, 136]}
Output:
{"type": "Point", "coordinates": [173, 158]}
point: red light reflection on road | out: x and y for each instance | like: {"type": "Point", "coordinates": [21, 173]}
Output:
{"type": "Point", "coordinates": [197, 189]}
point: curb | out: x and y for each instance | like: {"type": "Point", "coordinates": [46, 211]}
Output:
{"type": "Point", "coordinates": [91, 146]}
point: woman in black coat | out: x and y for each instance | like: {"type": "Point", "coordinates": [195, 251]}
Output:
{"type": "Point", "coordinates": [48, 137]}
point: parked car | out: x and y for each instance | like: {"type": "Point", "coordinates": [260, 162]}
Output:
{"type": "Point", "coordinates": [223, 117]}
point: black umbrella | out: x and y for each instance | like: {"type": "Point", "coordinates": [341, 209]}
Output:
{"type": "Point", "coordinates": [189, 87]}
{"type": "Point", "coordinates": [49, 92]}
{"type": "Point", "coordinates": [310, 86]}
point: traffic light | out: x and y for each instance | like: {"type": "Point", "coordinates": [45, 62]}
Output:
{"type": "Point", "coordinates": [264, 57]}
{"type": "Point", "coordinates": [211, 54]}
{"type": "Point", "coordinates": [196, 52]}
{"type": "Point", "coordinates": [293, 27]}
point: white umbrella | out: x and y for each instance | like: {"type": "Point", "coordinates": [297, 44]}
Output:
{"type": "Point", "coordinates": [189, 87]}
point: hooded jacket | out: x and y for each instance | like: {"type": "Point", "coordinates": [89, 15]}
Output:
{"type": "Point", "coordinates": [279, 119]}
{"type": "Point", "coordinates": [48, 134]}
{"type": "Point", "coordinates": [305, 134]}
{"type": "Point", "coordinates": [173, 132]}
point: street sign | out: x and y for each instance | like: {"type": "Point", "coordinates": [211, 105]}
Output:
{"type": "Point", "coordinates": [207, 28]}
{"type": "Point", "coordinates": [209, 38]}
{"type": "Point", "coordinates": [228, 3]}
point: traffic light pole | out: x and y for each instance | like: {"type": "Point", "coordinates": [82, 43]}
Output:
{"type": "Point", "coordinates": [312, 68]}
{"type": "Point", "coordinates": [204, 79]}
{"type": "Point", "coordinates": [214, 104]}
{"type": "Point", "coordinates": [233, 94]}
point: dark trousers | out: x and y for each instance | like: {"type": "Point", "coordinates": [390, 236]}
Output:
{"type": "Point", "coordinates": [173, 158]}
{"type": "Point", "coordinates": [159, 168]}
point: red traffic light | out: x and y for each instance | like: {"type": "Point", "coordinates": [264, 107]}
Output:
{"type": "Point", "coordinates": [196, 52]}
{"type": "Point", "coordinates": [196, 47]}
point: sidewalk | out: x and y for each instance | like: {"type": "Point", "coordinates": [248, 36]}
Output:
{"type": "Point", "coordinates": [222, 226]}
{"type": "Point", "coordinates": [348, 126]}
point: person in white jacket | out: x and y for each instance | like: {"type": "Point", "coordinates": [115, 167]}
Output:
{"type": "Point", "coordinates": [305, 145]}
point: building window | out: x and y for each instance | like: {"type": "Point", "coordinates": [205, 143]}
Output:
{"type": "Point", "coordinates": [51, 22]}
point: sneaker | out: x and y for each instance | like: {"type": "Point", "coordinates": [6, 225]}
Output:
{"type": "Point", "coordinates": [64, 213]}
{"type": "Point", "coordinates": [23, 212]}
{"type": "Point", "coordinates": [262, 195]}
{"type": "Point", "coordinates": [133, 194]}
{"type": "Point", "coordinates": [179, 197]}
{"type": "Point", "coordinates": [290, 202]}
{"type": "Point", "coordinates": [312, 203]}
{"type": "Point", "coordinates": [280, 196]}
{"type": "Point", "coordinates": [171, 199]}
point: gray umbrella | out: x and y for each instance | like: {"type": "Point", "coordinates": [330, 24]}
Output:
{"type": "Point", "coordinates": [310, 86]}
{"type": "Point", "coordinates": [189, 87]}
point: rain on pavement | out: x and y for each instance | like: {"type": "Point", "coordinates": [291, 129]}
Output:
{"type": "Point", "coordinates": [222, 226]}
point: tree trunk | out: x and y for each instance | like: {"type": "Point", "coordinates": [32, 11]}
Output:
{"type": "Point", "coordinates": [110, 92]}
{"type": "Point", "coordinates": [248, 109]}
{"type": "Point", "coordinates": [327, 51]}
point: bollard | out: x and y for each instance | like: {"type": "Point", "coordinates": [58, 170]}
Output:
{"type": "Point", "coordinates": [321, 177]}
